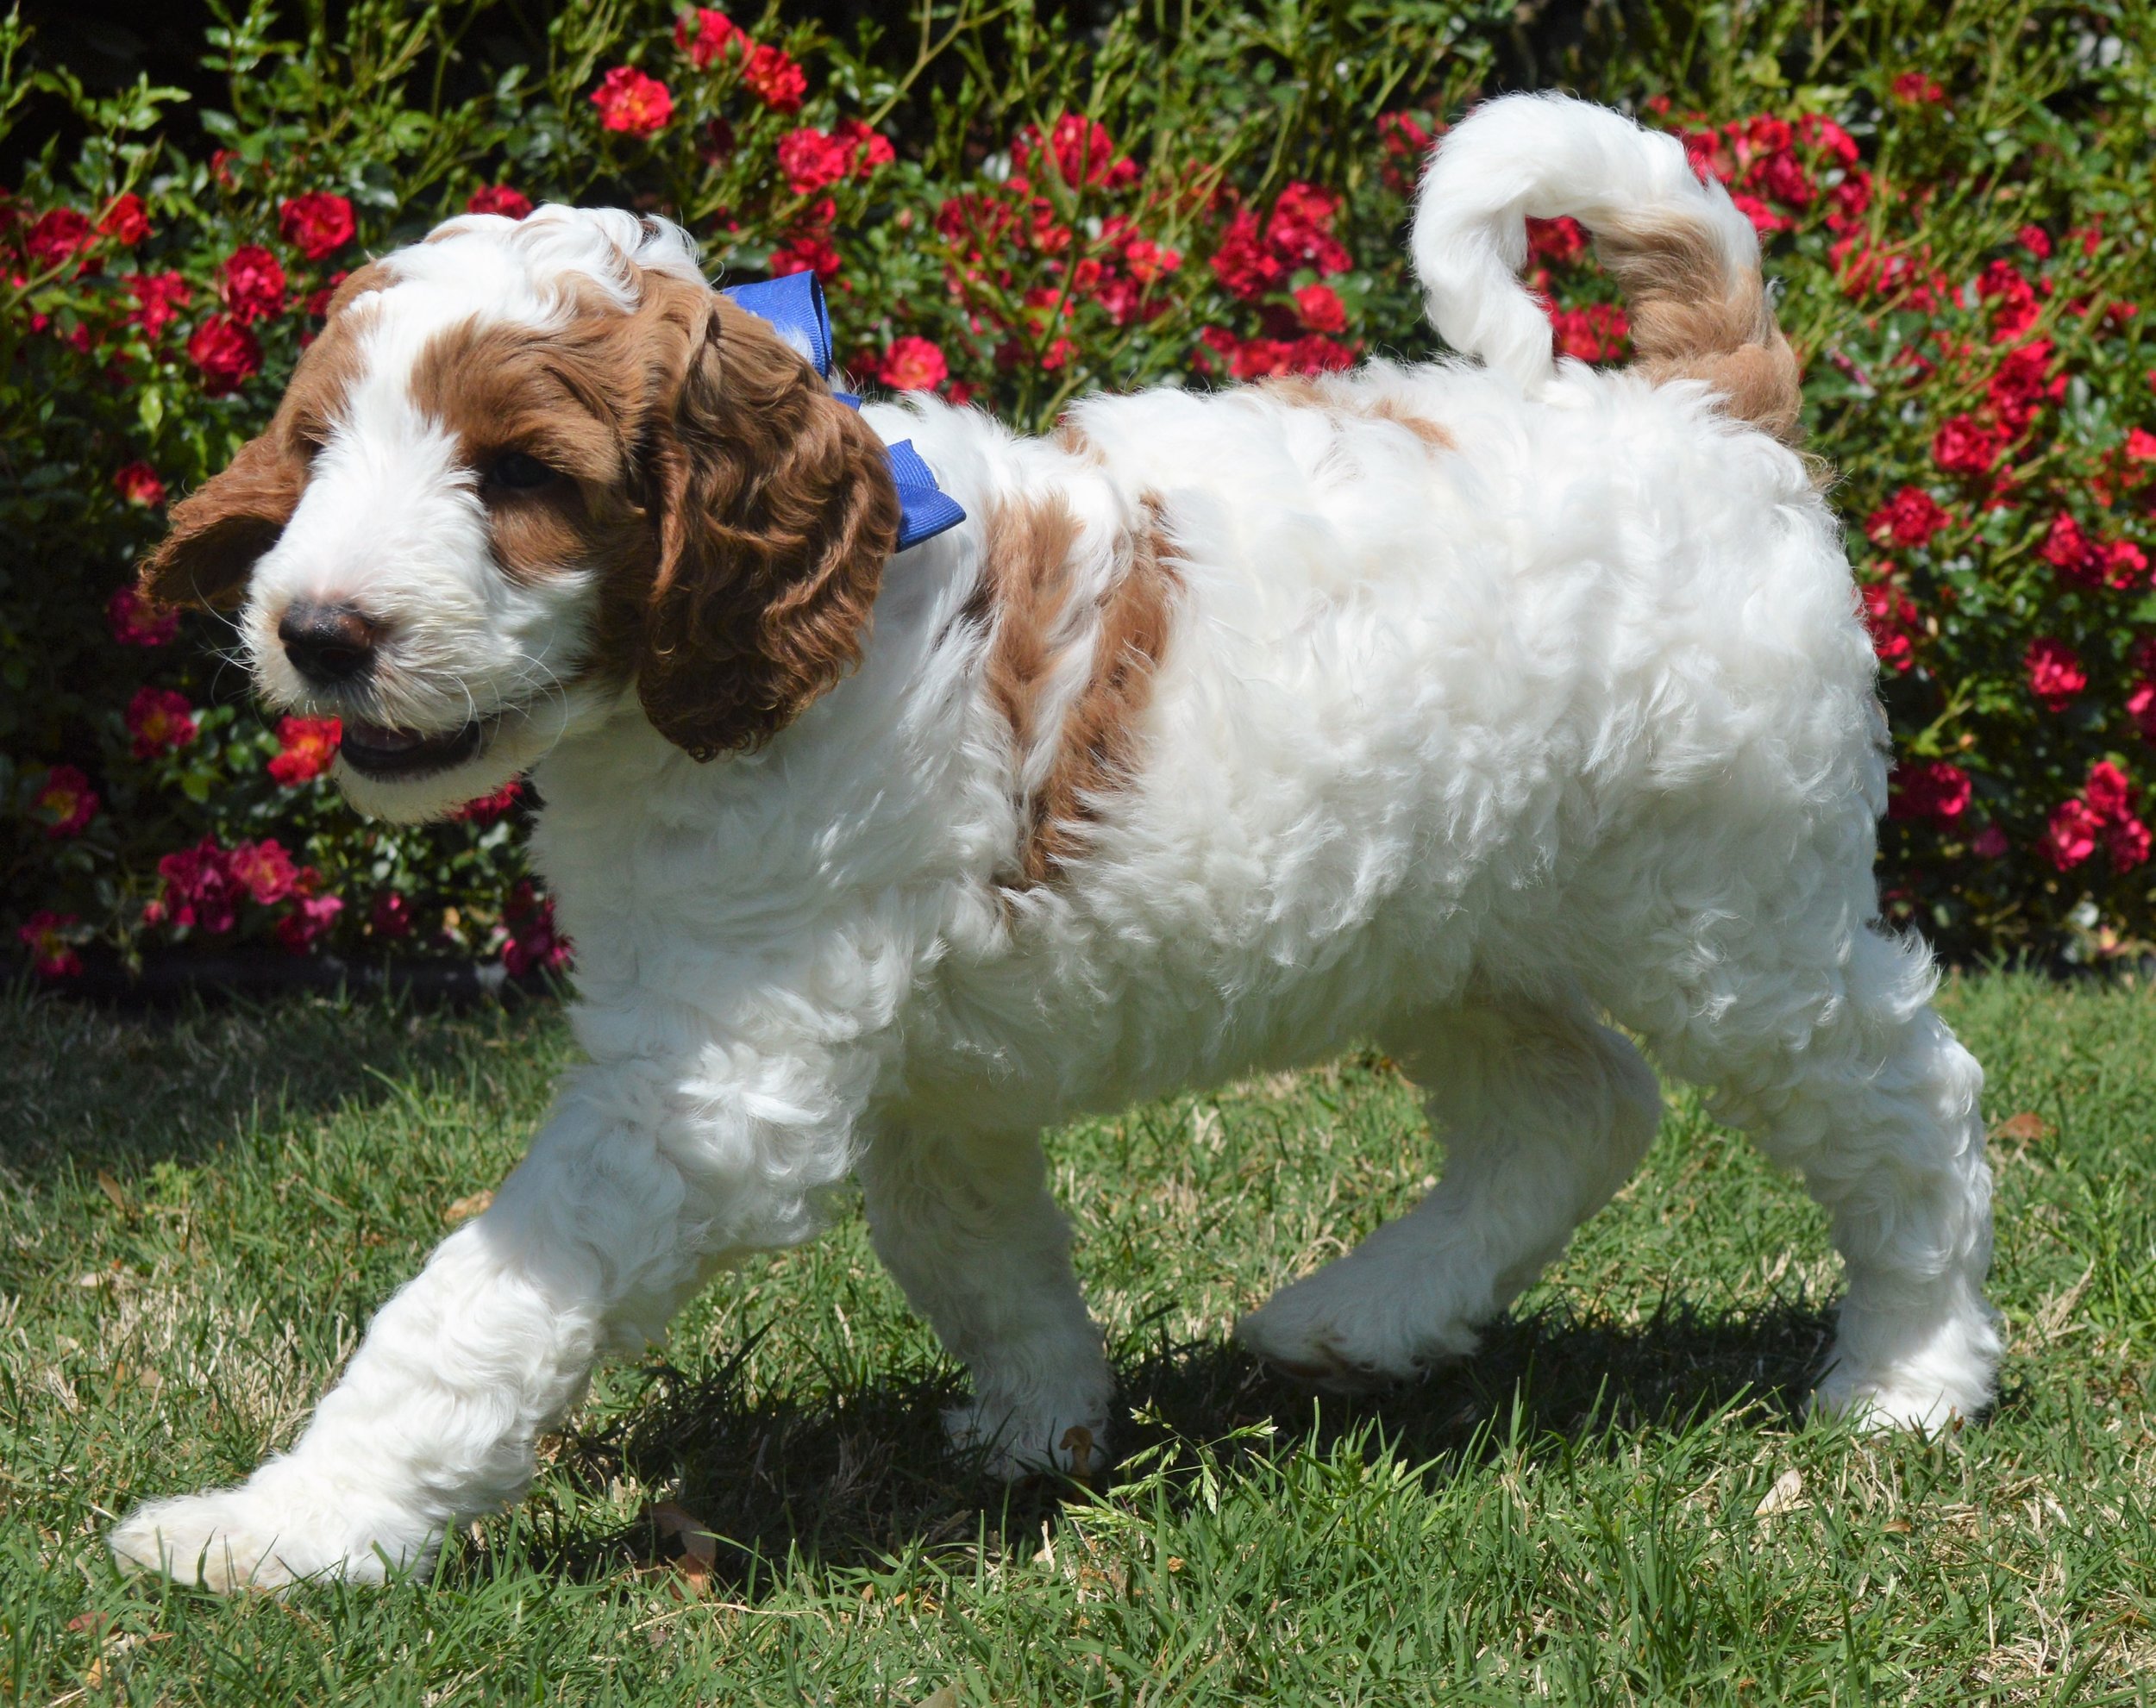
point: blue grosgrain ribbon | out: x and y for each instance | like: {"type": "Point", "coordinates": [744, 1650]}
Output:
{"type": "Point", "coordinates": [795, 305]}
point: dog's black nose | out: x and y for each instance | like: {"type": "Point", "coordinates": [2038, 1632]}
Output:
{"type": "Point", "coordinates": [327, 644]}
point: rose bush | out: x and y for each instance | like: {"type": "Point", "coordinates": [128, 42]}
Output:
{"type": "Point", "coordinates": [1010, 211]}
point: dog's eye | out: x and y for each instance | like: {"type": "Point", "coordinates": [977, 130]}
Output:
{"type": "Point", "coordinates": [514, 472]}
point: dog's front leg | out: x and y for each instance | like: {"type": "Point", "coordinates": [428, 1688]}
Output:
{"type": "Point", "coordinates": [641, 1183]}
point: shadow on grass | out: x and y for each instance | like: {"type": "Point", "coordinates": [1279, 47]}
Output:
{"type": "Point", "coordinates": [86, 1086]}
{"type": "Point", "coordinates": [854, 1477]}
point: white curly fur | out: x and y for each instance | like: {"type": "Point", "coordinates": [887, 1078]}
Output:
{"type": "Point", "coordinates": [1475, 753]}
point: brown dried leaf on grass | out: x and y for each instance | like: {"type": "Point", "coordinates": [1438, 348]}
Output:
{"type": "Point", "coordinates": [674, 1522]}
{"type": "Point", "coordinates": [466, 1208]}
{"type": "Point", "coordinates": [2028, 1127]}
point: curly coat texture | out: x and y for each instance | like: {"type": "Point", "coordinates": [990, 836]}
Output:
{"type": "Point", "coordinates": [1513, 713]}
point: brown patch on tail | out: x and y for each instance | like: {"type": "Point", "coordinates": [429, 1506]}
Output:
{"type": "Point", "coordinates": [1692, 320]}
{"type": "Point", "coordinates": [1027, 572]}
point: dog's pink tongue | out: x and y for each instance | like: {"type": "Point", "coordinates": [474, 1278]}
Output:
{"type": "Point", "coordinates": [385, 741]}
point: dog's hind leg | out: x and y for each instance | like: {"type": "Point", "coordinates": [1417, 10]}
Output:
{"type": "Point", "coordinates": [1545, 1114]}
{"type": "Point", "coordinates": [971, 1232]}
{"type": "Point", "coordinates": [1839, 1068]}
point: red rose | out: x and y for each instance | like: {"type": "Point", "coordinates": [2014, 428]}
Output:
{"type": "Point", "coordinates": [1319, 309]}
{"type": "Point", "coordinates": [631, 102]}
{"type": "Point", "coordinates": [533, 941]}
{"type": "Point", "coordinates": [2107, 789]}
{"type": "Point", "coordinates": [1891, 614]}
{"type": "Point", "coordinates": [226, 353]}
{"type": "Point", "coordinates": [65, 801]}
{"type": "Point", "coordinates": [704, 32]}
{"type": "Point", "coordinates": [871, 149]}
{"type": "Point", "coordinates": [913, 364]}
{"type": "Point", "coordinates": [1149, 262]}
{"type": "Point", "coordinates": [488, 808]}
{"type": "Point", "coordinates": [772, 78]}
{"type": "Point", "coordinates": [158, 298]}
{"type": "Point", "coordinates": [498, 199]}
{"type": "Point", "coordinates": [1916, 89]}
{"type": "Point", "coordinates": [2068, 550]}
{"type": "Point", "coordinates": [127, 222]}
{"type": "Point", "coordinates": [805, 252]}
{"type": "Point", "coordinates": [137, 484]}
{"type": "Point", "coordinates": [251, 283]}
{"type": "Point", "coordinates": [159, 720]}
{"type": "Point", "coordinates": [1258, 358]}
{"type": "Point", "coordinates": [310, 919]}
{"type": "Point", "coordinates": [57, 236]}
{"type": "Point", "coordinates": [316, 224]}
{"type": "Point", "coordinates": [266, 870]}
{"type": "Point", "coordinates": [1990, 843]}
{"type": "Point", "coordinates": [2141, 706]}
{"type": "Point", "coordinates": [1909, 518]}
{"type": "Point", "coordinates": [2070, 837]}
{"type": "Point", "coordinates": [2141, 445]}
{"type": "Point", "coordinates": [390, 915]}
{"type": "Point", "coordinates": [52, 952]}
{"type": "Point", "coordinates": [1594, 334]}
{"type": "Point", "coordinates": [2126, 841]}
{"type": "Point", "coordinates": [2055, 675]}
{"type": "Point", "coordinates": [308, 747]}
{"type": "Point", "coordinates": [1301, 229]}
{"type": "Point", "coordinates": [1241, 263]}
{"type": "Point", "coordinates": [199, 889]}
{"type": "Point", "coordinates": [812, 159]}
{"type": "Point", "coordinates": [1086, 155]}
{"type": "Point", "coordinates": [135, 622]}
{"type": "Point", "coordinates": [1934, 788]}
{"type": "Point", "coordinates": [1313, 354]}
{"type": "Point", "coordinates": [1961, 446]}
{"type": "Point", "coordinates": [1556, 242]}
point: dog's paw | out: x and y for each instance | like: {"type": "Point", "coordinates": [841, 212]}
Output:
{"type": "Point", "coordinates": [1012, 1443]}
{"type": "Point", "coordinates": [1883, 1404]}
{"type": "Point", "coordinates": [1321, 1332]}
{"type": "Point", "coordinates": [253, 1538]}
{"type": "Point", "coordinates": [1933, 1382]}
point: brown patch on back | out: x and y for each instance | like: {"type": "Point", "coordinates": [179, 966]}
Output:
{"type": "Point", "coordinates": [1072, 441]}
{"type": "Point", "coordinates": [1692, 320]}
{"type": "Point", "coordinates": [1299, 389]}
{"type": "Point", "coordinates": [1028, 567]}
{"type": "Point", "coordinates": [1431, 435]}
{"type": "Point", "coordinates": [1342, 400]}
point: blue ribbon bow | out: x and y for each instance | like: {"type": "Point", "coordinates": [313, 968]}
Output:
{"type": "Point", "coordinates": [795, 305]}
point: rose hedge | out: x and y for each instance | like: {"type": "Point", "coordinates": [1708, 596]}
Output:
{"type": "Point", "coordinates": [1010, 209]}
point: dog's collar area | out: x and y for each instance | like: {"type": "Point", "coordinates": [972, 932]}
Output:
{"type": "Point", "coordinates": [795, 305]}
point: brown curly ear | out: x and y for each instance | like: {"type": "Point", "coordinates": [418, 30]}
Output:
{"type": "Point", "coordinates": [777, 511]}
{"type": "Point", "coordinates": [220, 529]}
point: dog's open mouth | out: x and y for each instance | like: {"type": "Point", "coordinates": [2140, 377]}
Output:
{"type": "Point", "coordinates": [373, 750]}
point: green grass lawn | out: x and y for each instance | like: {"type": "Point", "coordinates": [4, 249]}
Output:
{"type": "Point", "coordinates": [1613, 1504]}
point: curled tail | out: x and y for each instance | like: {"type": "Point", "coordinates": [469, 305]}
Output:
{"type": "Point", "coordinates": [1686, 259]}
